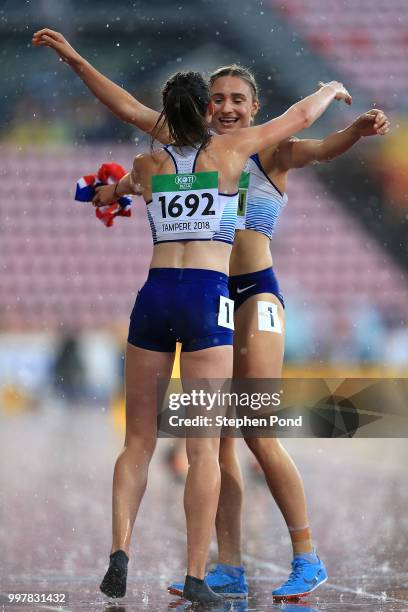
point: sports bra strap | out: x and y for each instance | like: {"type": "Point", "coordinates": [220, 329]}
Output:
{"type": "Point", "coordinates": [184, 158]}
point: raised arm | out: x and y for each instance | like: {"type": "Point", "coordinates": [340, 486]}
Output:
{"type": "Point", "coordinates": [117, 99]}
{"type": "Point", "coordinates": [298, 117]}
{"type": "Point", "coordinates": [296, 153]}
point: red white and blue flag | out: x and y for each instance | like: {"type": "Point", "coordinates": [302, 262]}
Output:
{"type": "Point", "coordinates": [106, 175]}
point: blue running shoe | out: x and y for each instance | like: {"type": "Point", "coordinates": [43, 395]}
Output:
{"type": "Point", "coordinates": [225, 580]}
{"type": "Point", "coordinates": [304, 578]}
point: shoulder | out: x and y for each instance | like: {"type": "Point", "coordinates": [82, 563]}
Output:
{"type": "Point", "coordinates": [225, 140]}
{"type": "Point", "coordinates": [220, 140]}
{"type": "Point", "coordinates": [144, 161]}
{"type": "Point", "coordinates": [222, 148]}
{"type": "Point", "coordinates": [284, 147]}
{"type": "Point", "coordinates": [141, 159]}
{"type": "Point", "coordinates": [288, 142]}
{"type": "Point", "coordinates": [230, 144]}
{"type": "Point", "coordinates": [278, 156]}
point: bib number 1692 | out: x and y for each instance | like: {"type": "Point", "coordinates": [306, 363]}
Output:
{"type": "Point", "coordinates": [179, 203]}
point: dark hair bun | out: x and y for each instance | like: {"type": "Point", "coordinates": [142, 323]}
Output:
{"type": "Point", "coordinates": [185, 100]}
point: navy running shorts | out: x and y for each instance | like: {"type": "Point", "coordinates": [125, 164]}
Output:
{"type": "Point", "coordinates": [181, 305]}
{"type": "Point", "coordinates": [243, 286]}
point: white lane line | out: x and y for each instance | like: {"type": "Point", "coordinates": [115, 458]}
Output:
{"type": "Point", "coordinates": [59, 608]}
{"type": "Point", "coordinates": [336, 587]}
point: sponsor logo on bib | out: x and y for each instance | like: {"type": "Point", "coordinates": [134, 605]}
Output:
{"type": "Point", "coordinates": [185, 181]}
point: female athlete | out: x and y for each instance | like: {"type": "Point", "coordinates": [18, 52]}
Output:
{"type": "Point", "coordinates": [257, 353]}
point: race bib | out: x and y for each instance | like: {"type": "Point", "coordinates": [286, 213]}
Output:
{"type": "Point", "coordinates": [268, 317]}
{"type": "Point", "coordinates": [226, 312]}
{"type": "Point", "coordinates": [185, 204]}
{"type": "Point", "coordinates": [243, 194]}
{"type": "Point", "coordinates": [242, 200]}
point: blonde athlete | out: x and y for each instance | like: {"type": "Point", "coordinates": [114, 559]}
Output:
{"type": "Point", "coordinates": [235, 97]}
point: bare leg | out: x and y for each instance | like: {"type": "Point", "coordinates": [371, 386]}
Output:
{"type": "Point", "coordinates": [143, 368]}
{"type": "Point", "coordinates": [259, 354]}
{"type": "Point", "coordinates": [203, 478]}
{"type": "Point", "coordinates": [228, 520]}
{"type": "Point", "coordinates": [283, 480]}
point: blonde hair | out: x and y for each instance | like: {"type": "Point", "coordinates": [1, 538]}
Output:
{"type": "Point", "coordinates": [238, 71]}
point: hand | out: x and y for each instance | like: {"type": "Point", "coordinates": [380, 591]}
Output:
{"type": "Point", "coordinates": [105, 194]}
{"type": "Point", "coordinates": [56, 41]}
{"type": "Point", "coordinates": [372, 123]}
{"type": "Point", "coordinates": [340, 90]}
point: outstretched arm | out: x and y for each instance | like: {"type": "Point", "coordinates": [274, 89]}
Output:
{"type": "Point", "coordinates": [298, 117]}
{"type": "Point", "coordinates": [296, 153]}
{"type": "Point", "coordinates": [117, 99]}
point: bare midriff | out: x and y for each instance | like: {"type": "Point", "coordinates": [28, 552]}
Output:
{"type": "Point", "coordinates": [250, 253]}
{"type": "Point", "coordinates": [198, 254]}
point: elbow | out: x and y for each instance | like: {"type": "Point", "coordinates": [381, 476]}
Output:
{"type": "Point", "coordinates": [306, 118]}
{"type": "Point", "coordinates": [302, 118]}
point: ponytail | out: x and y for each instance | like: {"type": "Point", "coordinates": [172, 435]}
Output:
{"type": "Point", "coordinates": [185, 102]}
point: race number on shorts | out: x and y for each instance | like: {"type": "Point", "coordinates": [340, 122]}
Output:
{"type": "Point", "coordinates": [268, 319]}
{"type": "Point", "coordinates": [226, 312]}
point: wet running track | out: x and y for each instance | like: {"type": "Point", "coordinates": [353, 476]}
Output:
{"type": "Point", "coordinates": [56, 469]}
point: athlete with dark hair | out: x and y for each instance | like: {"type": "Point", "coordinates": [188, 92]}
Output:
{"type": "Point", "coordinates": [257, 353]}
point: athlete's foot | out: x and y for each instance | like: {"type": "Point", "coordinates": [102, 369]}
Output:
{"type": "Point", "coordinates": [114, 582]}
{"type": "Point", "coordinates": [226, 580]}
{"type": "Point", "coordinates": [308, 573]}
{"type": "Point", "coordinates": [198, 592]}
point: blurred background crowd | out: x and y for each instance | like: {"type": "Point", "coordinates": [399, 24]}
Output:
{"type": "Point", "coordinates": [68, 283]}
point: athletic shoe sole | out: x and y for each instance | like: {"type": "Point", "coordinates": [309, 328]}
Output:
{"type": "Point", "coordinates": [298, 595]}
{"type": "Point", "coordinates": [179, 593]}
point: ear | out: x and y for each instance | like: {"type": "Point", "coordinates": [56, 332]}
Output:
{"type": "Point", "coordinates": [255, 108]}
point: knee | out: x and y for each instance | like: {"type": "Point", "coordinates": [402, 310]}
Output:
{"type": "Point", "coordinates": [227, 448]}
{"type": "Point", "coordinates": [228, 455]}
{"type": "Point", "coordinates": [202, 452]}
{"type": "Point", "coordinates": [140, 445]}
{"type": "Point", "coordinates": [265, 447]}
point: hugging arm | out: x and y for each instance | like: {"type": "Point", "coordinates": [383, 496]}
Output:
{"type": "Point", "coordinates": [296, 153]}
{"type": "Point", "coordinates": [129, 184]}
{"type": "Point", "coordinates": [298, 117]}
{"type": "Point", "coordinates": [117, 99]}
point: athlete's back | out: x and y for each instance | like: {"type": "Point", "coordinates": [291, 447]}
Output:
{"type": "Point", "coordinates": [181, 235]}
{"type": "Point", "coordinates": [219, 155]}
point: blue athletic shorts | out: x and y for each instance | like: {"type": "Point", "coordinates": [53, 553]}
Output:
{"type": "Point", "coordinates": [243, 286]}
{"type": "Point", "coordinates": [179, 305]}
